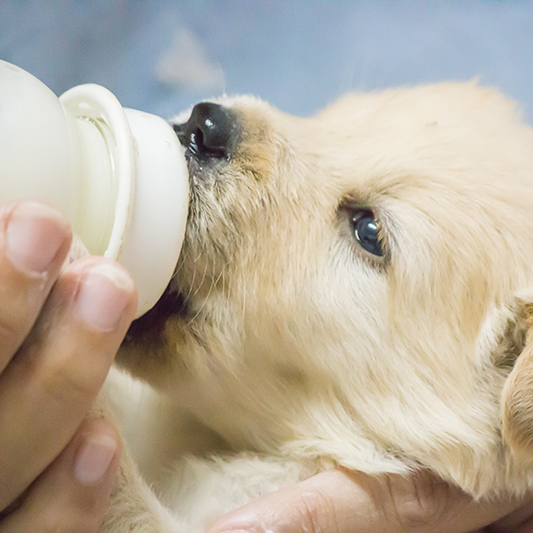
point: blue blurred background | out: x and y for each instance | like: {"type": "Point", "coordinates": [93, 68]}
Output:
{"type": "Point", "coordinates": [162, 56]}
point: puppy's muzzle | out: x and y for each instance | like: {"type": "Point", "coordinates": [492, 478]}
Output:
{"type": "Point", "coordinates": [210, 134]}
{"type": "Point", "coordinates": [209, 138]}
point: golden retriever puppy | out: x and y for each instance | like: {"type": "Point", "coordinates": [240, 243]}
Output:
{"type": "Point", "coordinates": [354, 289]}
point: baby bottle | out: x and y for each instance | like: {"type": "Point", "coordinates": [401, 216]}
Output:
{"type": "Point", "coordinates": [118, 175]}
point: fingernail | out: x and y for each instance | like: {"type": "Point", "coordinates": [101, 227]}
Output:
{"type": "Point", "coordinates": [93, 459]}
{"type": "Point", "coordinates": [104, 294]}
{"type": "Point", "coordinates": [34, 235]}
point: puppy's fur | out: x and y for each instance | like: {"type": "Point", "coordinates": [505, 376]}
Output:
{"type": "Point", "coordinates": [295, 349]}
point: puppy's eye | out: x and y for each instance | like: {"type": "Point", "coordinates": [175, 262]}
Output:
{"type": "Point", "coordinates": [367, 232]}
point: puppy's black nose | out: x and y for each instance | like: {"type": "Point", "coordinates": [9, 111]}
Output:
{"type": "Point", "coordinates": [210, 133]}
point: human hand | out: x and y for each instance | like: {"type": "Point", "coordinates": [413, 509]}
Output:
{"type": "Point", "coordinates": [348, 502]}
{"type": "Point", "coordinates": [59, 332]}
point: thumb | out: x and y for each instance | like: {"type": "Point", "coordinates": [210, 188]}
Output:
{"type": "Point", "coordinates": [344, 502]}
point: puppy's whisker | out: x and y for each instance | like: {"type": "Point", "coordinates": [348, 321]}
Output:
{"type": "Point", "coordinates": [221, 275]}
{"type": "Point", "coordinates": [191, 285]}
{"type": "Point", "coordinates": [212, 285]}
{"type": "Point", "coordinates": [243, 303]}
{"type": "Point", "coordinates": [202, 281]}
{"type": "Point", "coordinates": [178, 270]}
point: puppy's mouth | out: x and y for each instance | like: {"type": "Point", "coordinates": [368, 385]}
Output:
{"type": "Point", "coordinates": [209, 137]}
{"type": "Point", "coordinates": [151, 325]}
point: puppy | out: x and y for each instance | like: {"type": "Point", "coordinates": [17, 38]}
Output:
{"type": "Point", "coordinates": [354, 289]}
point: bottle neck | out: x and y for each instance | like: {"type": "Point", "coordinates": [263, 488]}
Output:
{"type": "Point", "coordinates": [97, 187]}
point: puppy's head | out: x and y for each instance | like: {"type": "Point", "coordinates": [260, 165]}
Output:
{"type": "Point", "coordinates": [352, 285]}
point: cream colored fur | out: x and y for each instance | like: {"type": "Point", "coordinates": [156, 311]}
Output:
{"type": "Point", "coordinates": [300, 351]}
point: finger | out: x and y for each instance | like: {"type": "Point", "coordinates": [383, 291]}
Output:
{"type": "Point", "coordinates": [336, 501]}
{"type": "Point", "coordinates": [72, 494]}
{"type": "Point", "coordinates": [519, 521]}
{"type": "Point", "coordinates": [48, 387]}
{"type": "Point", "coordinates": [34, 241]}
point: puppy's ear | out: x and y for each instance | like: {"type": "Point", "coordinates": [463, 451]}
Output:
{"type": "Point", "coordinates": [517, 397]}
